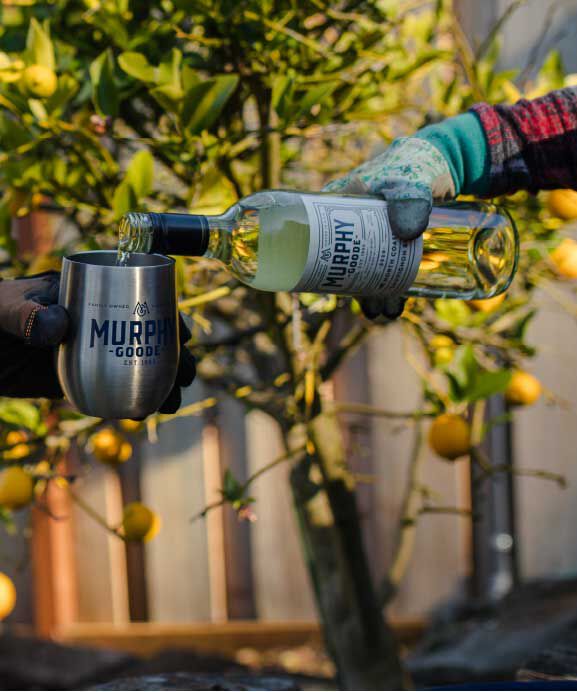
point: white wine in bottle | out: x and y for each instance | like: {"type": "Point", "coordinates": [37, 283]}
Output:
{"type": "Point", "coordinates": [325, 243]}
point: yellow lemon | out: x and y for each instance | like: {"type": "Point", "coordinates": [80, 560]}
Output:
{"type": "Point", "coordinates": [109, 447]}
{"type": "Point", "coordinates": [139, 522]}
{"type": "Point", "coordinates": [7, 595]}
{"type": "Point", "coordinates": [523, 389]}
{"type": "Point", "coordinates": [16, 488]}
{"type": "Point", "coordinates": [443, 356]}
{"type": "Point", "coordinates": [40, 80]}
{"type": "Point", "coordinates": [130, 426]}
{"type": "Point", "coordinates": [487, 305]}
{"type": "Point", "coordinates": [443, 349]}
{"type": "Point", "coordinates": [563, 204]}
{"type": "Point", "coordinates": [564, 257]}
{"type": "Point", "coordinates": [16, 439]}
{"type": "Point", "coordinates": [450, 436]}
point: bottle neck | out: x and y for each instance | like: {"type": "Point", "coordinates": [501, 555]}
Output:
{"type": "Point", "coordinates": [180, 234]}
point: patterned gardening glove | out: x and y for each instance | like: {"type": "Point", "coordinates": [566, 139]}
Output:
{"type": "Point", "coordinates": [409, 175]}
{"type": "Point", "coordinates": [32, 324]}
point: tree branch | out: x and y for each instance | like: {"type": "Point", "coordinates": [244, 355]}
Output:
{"type": "Point", "coordinates": [348, 344]}
{"type": "Point", "coordinates": [407, 525]}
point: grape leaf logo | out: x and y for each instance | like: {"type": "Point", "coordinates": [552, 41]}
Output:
{"type": "Point", "coordinates": [141, 309]}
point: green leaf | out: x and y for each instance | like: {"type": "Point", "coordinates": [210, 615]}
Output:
{"type": "Point", "coordinates": [140, 173]}
{"type": "Point", "coordinates": [486, 384]}
{"type": "Point", "coordinates": [124, 199]}
{"type": "Point", "coordinates": [455, 312]}
{"type": "Point", "coordinates": [136, 65]}
{"type": "Point", "coordinates": [312, 97]}
{"type": "Point", "coordinates": [204, 102]}
{"type": "Point", "coordinates": [7, 519]}
{"type": "Point", "coordinates": [21, 414]}
{"type": "Point", "coordinates": [37, 109]}
{"type": "Point", "coordinates": [12, 132]}
{"type": "Point", "coordinates": [67, 89]}
{"type": "Point", "coordinates": [189, 77]}
{"type": "Point", "coordinates": [553, 70]}
{"type": "Point", "coordinates": [281, 98]}
{"type": "Point", "coordinates": [168, 96]}
{"type": "Point", "coordinates": [7, 242]}
{"type": "Point", "coordinates": [232, 489]}
{"type": "Point", "coordinates": [39, 49]}
{"type": "Point", "coordinates": [104, 91]}
{"type": "Point", "coordinates": [169, 71]}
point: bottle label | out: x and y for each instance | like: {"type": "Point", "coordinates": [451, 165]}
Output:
{"type": "Point", "coordinates": [353, 251]}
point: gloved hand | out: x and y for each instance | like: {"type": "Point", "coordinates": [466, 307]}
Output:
{"type": "Point", "coordinates": [186, 371]}
{"type": "Point", "coordinates": [31, 324]}
{"type": "Point", "coordinates": [409, 175]}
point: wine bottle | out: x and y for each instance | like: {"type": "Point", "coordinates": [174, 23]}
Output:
{"type": "Point", "coordinates": [325, 243]}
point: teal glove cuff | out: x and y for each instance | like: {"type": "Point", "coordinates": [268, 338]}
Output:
{"type": "Point", "coordinates": [463, 143]}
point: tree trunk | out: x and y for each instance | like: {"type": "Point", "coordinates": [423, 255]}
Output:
{"type": "Point", "coordinates": [356, 634]}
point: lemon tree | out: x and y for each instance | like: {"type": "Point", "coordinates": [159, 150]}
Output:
{"type": "Point", "coordinates": [111, 106]}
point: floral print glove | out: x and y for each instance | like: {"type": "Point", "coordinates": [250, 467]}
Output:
{"type": "Point", "coordinates": [409, 175]}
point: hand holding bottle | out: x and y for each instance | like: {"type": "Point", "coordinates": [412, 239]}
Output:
{"type": "Point", "coordinates": [281, 240]}
{"type": "Point", "coordinates": [409, 175]}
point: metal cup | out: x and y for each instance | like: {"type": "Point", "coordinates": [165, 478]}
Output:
{"type": "Point", "coordinates": [121, 355]}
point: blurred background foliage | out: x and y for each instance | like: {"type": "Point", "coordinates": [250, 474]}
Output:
{"type": "Point", "coordinates": [113, 105]}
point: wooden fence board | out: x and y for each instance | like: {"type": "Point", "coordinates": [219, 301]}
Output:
{"type": "Point", "coordinates": [99, 556]}
{"type": "Point", "coordinates": [172, 483]}
{"type": "Point", "coordinates": [282, 589]}
{"type": "Point", "coordinates": [546, 437]}
{"type": "Point", "coordinates": [438, 560]}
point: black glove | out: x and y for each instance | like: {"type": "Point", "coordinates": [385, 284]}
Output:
{"type": "Point", "coordinates": [382, 309]}
{"type": "Point", "coordinates": [32, 324]}
{"type": "Point", "coordinates": [186, 371]}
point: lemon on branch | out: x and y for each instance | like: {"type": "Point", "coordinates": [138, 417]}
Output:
{"type": "Point", "coordinates": [109, 447]}
{"type": "Point", "coordinates": [7, 595]}
{"type": "Point", "coordinates": [450, 436]}
{"type": "Point", "coordinates": [40, 81]}
{"type": "Point", "coordinates": [564, 257]}
{"type": "Point", "coordinates": [523, 389]}
{"type": "Point", "coordinates": [139, 522]}
{"type": "Point", "coordinates": [16, 488]}
{"type": "Point", "coordinates": [16, 440]}
{"type": "Point", "coordinates": [563, 204]}
{"type": "Point", "coordinates": [443, 350]}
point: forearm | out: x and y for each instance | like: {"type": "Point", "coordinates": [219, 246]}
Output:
{"type": "Point", "coordinates": [496, 150]}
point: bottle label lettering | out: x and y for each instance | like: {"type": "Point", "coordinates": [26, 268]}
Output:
{"type": "Point", "coordinates": [352, 250]}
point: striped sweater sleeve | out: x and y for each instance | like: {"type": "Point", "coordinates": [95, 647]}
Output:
{"type": "Point", "coordinates": [532, 145]}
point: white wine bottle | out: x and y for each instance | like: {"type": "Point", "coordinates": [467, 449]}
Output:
{"type": "Point", "coordinates": [325, 243]}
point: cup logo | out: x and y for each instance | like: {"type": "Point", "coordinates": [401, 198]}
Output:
{"type": "Point", "coordinates": [141, 309]}
{"type": "Point", "coordinates": [143, 338]}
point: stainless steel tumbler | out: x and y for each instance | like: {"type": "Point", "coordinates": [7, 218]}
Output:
{"type": "Point", "coordinates": [121, 356]}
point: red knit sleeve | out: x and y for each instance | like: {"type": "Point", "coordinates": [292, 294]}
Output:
{"type": "Point", "coordinates": [532, 144]}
